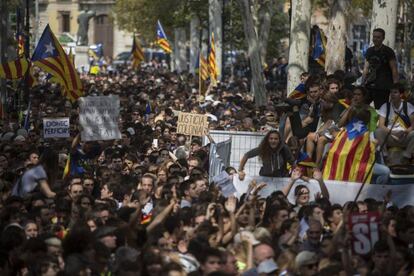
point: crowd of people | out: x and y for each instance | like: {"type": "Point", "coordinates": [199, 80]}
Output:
{"type": "Point", "coordinates": [135, 207]}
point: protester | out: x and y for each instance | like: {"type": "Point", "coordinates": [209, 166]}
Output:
{"type": "Point", "coordinates": [145, 204]}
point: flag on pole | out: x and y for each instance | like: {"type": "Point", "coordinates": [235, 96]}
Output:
{"type": "Point", "coordinates": [351, 154]}
{"type": "Point", "coordinates": [298, 93]}
{"type": "Point", "coordinates": [162, 39]}
{"type": "Point", "coordinates": [212, 62]}
{"type": "Point", "coordinates": [137, 53]}
{"type": "Point", "coordinates": [50, 57]}
{"type": "Point", "coordinates": [202, 74]}
{"type": "Point", "coordinates": [319, 47]}
{"type": "Point", "coordinates": [20, 45]}
{"type": "Point", "coordinates": [14, 69]}
{"type": "Point", "coordinates": [66, 170]}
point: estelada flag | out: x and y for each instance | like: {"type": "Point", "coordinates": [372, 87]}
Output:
{"type": "Point", "coordinates": [298, 93]}
{"type": "Point", "coordinates": [162, 39]}
{"type": "Point", "coordinates": [351, 154]}
{"type": "Point", "coordinates": [319, 47]}
{"type": "Point", "coordinates": [51, 58]}
{"type": "Point", "coordinates": [14, 69]}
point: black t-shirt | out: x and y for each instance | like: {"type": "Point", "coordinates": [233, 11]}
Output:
{"type": "Point", "coordinates": [379, 70]}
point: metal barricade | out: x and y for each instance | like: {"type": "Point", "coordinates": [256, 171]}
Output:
{"type": "Point", "coordinates": [241, 142]}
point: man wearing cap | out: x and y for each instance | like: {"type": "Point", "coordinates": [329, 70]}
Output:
{"type": "Point", "coordinates": [106, 236]}
{"type": "Point", "coordinates": [306, 263]}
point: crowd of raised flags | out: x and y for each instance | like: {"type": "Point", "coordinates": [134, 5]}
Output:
{"type": "Point", "coordinates": [52, 59]}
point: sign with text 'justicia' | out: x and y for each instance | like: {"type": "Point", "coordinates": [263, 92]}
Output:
{"type": "Point", "coordinates": [192, 124]}
{"type": "Point", "coordinates": [98, 118]}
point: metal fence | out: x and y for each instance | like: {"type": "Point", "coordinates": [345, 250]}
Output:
{"type": "Point", "coordinates": [241, 142]}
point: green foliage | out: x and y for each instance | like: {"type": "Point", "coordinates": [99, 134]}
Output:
{"type": "Point", "coordinates": [278, 31]}
{"type": "Point", "coordinates": [141, 16]}
{"type": "Point", "coordinates": [365, 5]}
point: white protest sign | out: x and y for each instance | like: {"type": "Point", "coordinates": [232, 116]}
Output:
{"type": "Point", "coordinates": [56, 128]}
{"type": "Point", "coordinates": [192, 124]}
{"type": "Point", "coordinates": [339, 192]}
{"type": "Point", "coordinates": [99, 118]}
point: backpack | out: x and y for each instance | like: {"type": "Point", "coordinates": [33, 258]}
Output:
{"type": "Point", "coordinates": [405, 110]}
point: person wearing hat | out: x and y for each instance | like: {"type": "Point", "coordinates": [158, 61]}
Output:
{"type": "Point", "coordinates": [106, 235]}
{"type": "Point", "coordinates": [306, 263]}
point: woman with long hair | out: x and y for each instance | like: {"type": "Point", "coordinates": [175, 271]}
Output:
{"type": "Point", "coordinates": [40, 177]}
{"type": "Point", "coordinates": [274, 155]}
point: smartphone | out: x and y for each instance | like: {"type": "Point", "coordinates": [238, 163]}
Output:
{"type": "Point", "coordinates": [155, 143]}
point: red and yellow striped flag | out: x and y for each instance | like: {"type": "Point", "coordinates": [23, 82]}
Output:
{"type": "Point", "coordinates": [137, 53]}
{"type": "Point", "coordinates": [212, 62]}
{"type": "Point", "coordinates": [203, 70]}
{"type": "Point", "coordinates": [350, 155]}
{"type": "Point", "coordinates": [14, 69]}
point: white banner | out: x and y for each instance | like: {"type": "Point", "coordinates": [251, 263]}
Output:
{"type": "Point", "coordinates": [99, 118]}
{"type": "Point", "coordinates": [56, 128]}
{"type": "Point", "coordinates": [339, 192]}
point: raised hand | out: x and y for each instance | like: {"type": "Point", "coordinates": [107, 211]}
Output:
{"type": "Point", "coordinates": [230, 204]}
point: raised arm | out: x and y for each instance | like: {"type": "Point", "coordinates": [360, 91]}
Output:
{"type": "Point", "coordinates": [317, 175]}
{"type": "Point", "coordinates": [296, 174]}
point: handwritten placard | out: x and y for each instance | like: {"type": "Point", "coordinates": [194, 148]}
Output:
{"type": "Point", "coordinates": [99, 118]}
{"type": "Point", "coordinates": [192, 124]}
{"type": "Point", "coordinates": [56, 127]}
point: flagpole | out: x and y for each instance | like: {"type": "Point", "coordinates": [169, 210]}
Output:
{"type": "Point", "coordinates": [27, 55]}
{"type": "Point", "coordinates": [372, 165]}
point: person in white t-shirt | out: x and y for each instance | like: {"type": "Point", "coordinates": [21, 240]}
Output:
{"type": "Point", "coordinates": [398, 115]}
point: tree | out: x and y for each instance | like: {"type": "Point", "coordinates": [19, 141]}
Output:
{"type": "Point", "coordinates": [336, 42]}
{"type": "Point", "coordinates": [254, 50]}
{"type": "Point", "coordinates": [384, 15]}
{"type": "Point", "coordinates": [299, 42]}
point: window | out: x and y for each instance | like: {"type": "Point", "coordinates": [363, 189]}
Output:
{"type": "Point", "coordinates": [65, 22]}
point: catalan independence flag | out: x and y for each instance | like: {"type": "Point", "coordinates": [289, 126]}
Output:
{"type": "Point", "coordinates": [137, 53]}
{"type": "Point", "coordinates": [351, 154]}
{"type": "Point", "coordinates": [51, 58]}
{"type": "Point", "coordinates": [14, 69]}
{"type": "Point", "coordinates": [212, 64]}
{"type": "Point", "coordinates": [298, 93]}
{"type": "Point", "coordinates": [319, 47]}
{"type": "Point", "coordinates": [162, 40]}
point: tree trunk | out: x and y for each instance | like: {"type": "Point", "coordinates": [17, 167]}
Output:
{"type": "Point", "coordinates": [4, 16]}
{"type": "Point", "coordinates": [194, 42]}
{"type": "Point", "coordinates": [215, 11]}
{"type": "Point", "coordinates": [336, 44]}
{"type": "Point", "coordinates": [266, 13]}
{"type": "Point", "coordinates": [384, 15]}
{"type": "Point", "coordinates": [180, 55]}
{"type": "Point", "coordinates": [253, 53]}
{"type": "Point", "coordinates": [299, 42]}
{"type": "Point", "coordinates": [407, 39]}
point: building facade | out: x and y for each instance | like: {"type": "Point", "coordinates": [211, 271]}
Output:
{"type": "Point", "coordinates": [62, 17]}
